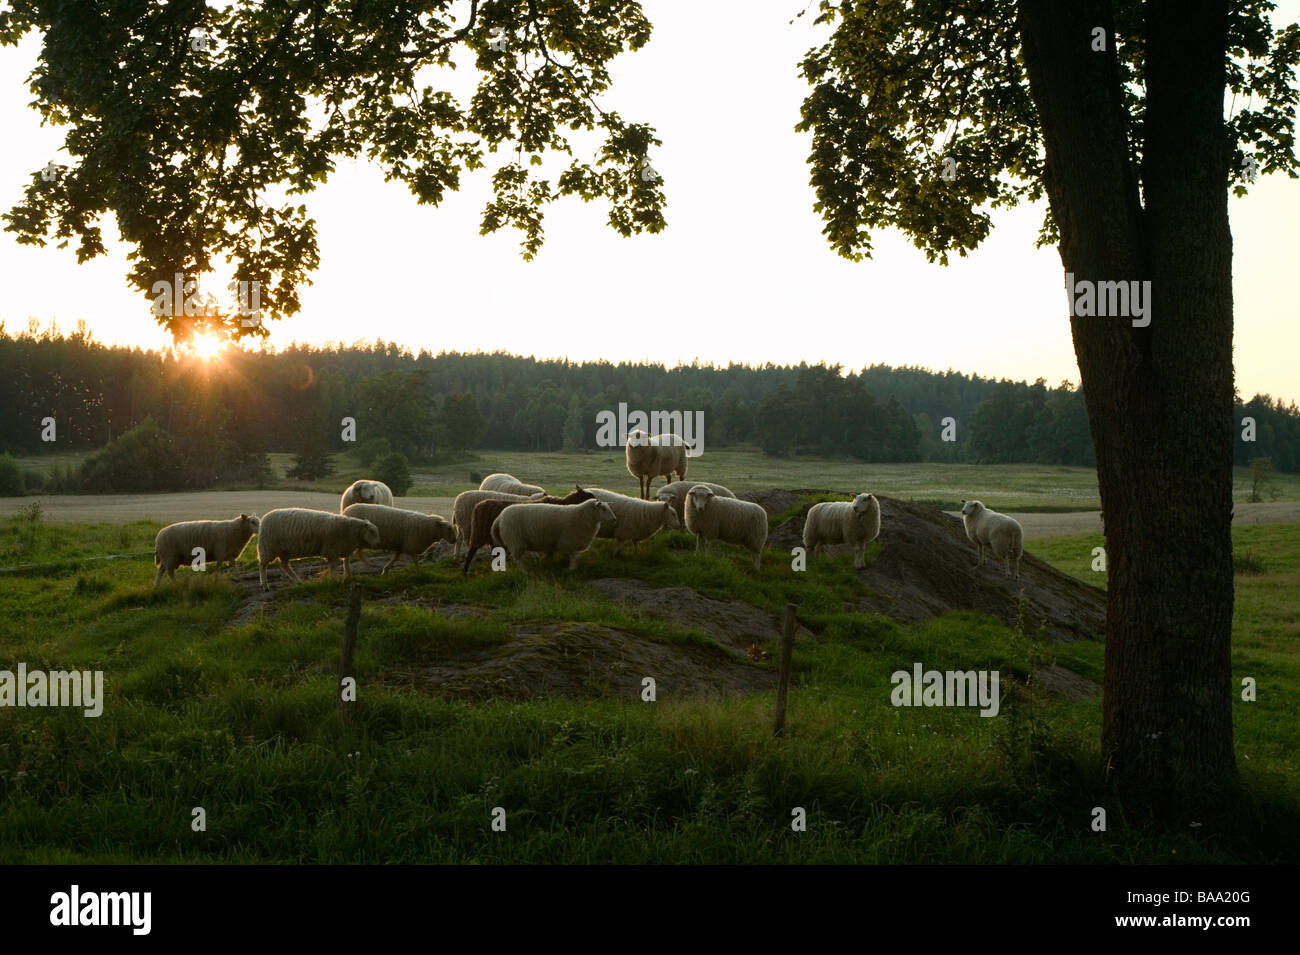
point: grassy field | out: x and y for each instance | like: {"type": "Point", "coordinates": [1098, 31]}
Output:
{"type": "Point", "coordinates": [1014, 487]}
{"type": "Point", "coordinates": [217, 704]}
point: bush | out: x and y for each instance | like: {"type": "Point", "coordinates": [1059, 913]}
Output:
{"type": "Point", "coordinates": [33, 480]}
{"type": "Point", "coordinates": [393, 471]}
{"type": "Point", "coordinates": [371, 450]}
{"type": "Point", "coordinates": [310, 467]}
{"type": "Point", "coordinates": [11, 477]}
{"type": "Point", "coordinates": [142, 459]}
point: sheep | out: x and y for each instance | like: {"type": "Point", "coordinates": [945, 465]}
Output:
{"type": "Point", "coordinates": [462, 510]}
{"type": "Point", "coordinates": [509, 484]}
{"type": "Point", "coordinates": [649, 457]}
{"type": "Point", "coordinates": [710, 516]}
{"type": "Point", "coordinates": [1000, 533]}
{"type": "Point", "coordinates": [675, 494]}
{"type": "Point", "coordinates": [403, 531]}
{"type": "Point", "coordinates": [220, 540]}
{"type": "Point", "coordinates": [289, 532]}
{"type": "Point", "coordinates": [637, 519]}
{"type": "Point", "coordinates": [550, 529]}
{"type": "Point", "coordinates": [485, 512]}
{"type": "Point", "coordinates": [366, 492]}
{"type": "Point", "coordinates": [855, 522]}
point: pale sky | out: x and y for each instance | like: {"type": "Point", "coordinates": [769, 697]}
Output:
{"type": "Point", "coordinates": [742, 272]}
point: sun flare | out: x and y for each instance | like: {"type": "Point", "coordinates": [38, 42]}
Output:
{"type": "Point", "coordinates": [207, 346]}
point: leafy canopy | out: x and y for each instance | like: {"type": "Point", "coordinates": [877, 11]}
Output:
{"type": "Point", "coordinates": [903, 85]}
{"type": "Point", "coordinates": [197, 125]}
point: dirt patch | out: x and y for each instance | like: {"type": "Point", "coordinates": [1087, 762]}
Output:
{"type": "Point", "coordinates": [542, 661]}
{"type": "Point", "coordinates": [733, 623]}
{"type": "Point", "coordinates": [1059, 681]}
{"type": "Point", "coordinates": [926, 566]}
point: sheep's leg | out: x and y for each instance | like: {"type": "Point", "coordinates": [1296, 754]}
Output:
{"type": "Point", "coordinates": [860, 558]}
{"type": "Point", "coordinates": [157, 576]}
{"type": "Point", "coordinates": [980, 548]}
{"type": "Point", "coordinates": [393, 560]}
{"type": "Point", "coordinates": [284, 564]}
{"type": "Point", "coordinates": [261, 575]}
{"type": "Point", "coordinates": [758, 560]}
{"type": "Point", "coordinates": [573, 561]}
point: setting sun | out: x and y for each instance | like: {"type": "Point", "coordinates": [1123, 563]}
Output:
{"type": "Point", "coordinates": [208, 346]}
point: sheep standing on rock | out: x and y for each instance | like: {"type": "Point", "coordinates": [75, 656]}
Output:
{"type": "Point", "coordinates": [403, 531]}
{"type": "Point", "coordinates": [289, 532]}
{"type": "Point", "coordinates": [549, 529]}
{"type": "Point", "coordinates": [462, 510]}
{"type": "Point", "coordinates": [220, 540]}
{"type": "Point", "coordinates": [509, 484]}
{"type": "Point", "coordinates": [651, 457]}
{"type": "Point", "coordinates": [710, 517]}
{"type": "Point", "coordinates": [637, 519]}
{"type": "Point", "coordinates": [675, 494]}
{"type": "Point", "coordinates": [486, 512]}
{"type": "Point", "coordinates": [366, 492]}
{"type": "Point", "coordinates": [1000, 533]}
{"type": "Point", "coordinates": [855, 522]}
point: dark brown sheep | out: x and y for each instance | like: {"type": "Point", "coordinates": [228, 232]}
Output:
{"type": "Point", "coordinates": [485, 512]}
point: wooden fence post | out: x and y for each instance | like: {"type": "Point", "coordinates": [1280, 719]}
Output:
{"type": "Point", "coordinates": [349, 636]}
{"type": "Point", "coordinates": [783, 680]}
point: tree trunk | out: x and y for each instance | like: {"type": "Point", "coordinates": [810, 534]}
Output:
{"type": "Point", "coordinates": [1159, 397]}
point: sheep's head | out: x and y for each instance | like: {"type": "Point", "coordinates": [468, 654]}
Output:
{"type": "Point", "coordinates": [445, 530]}
{"type": "Point", "coordinates": [971, 507]}
{"type": "Point", "coordinates": [862, 503]}
{"type": "Point", "coordinates": [366, 491]}
{"type": "Point", "coordinates": [671, 520]}
{"type": "Point", "coordinates": [605, 512]}
{"type": "Point", "coordinates": [250, 522]}
{"type": "Point", "coordinates": [578, 495]}
{"type": "Point", "coordinates": [370, 534]}
{"type": "Point", "coordinates": [699, 496]}
{"type": "Point", "coordinates": [638, 439]}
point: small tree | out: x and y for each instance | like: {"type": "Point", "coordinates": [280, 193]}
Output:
{"type": "Point", "coordinates": [142, 459]}
{"type": "Point", "coordinates": [371, 450]}
{"type": "Point", "coordinates": [1262, 480]}
{"type": "Point", "coordinates": [393, 471]}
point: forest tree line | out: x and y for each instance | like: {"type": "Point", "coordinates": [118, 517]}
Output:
{"type": "Point", "coordinates": [207, 422]}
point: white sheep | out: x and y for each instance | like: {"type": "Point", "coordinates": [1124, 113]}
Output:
{"type": "Point", "coordinates": [403, 531]}
{"type": "Point", "coordinates": [651, 457]}
{"type": "Point", "coordinates": [509, 484]}
{"type": "Point", "coordinates": [220, 540]}
{"type": "Point", "coordinates": [289, 532]}
{"type": "Point", "coordinates": [551, 528]}
{"type": "Point", "coordinates": [675, 494]}
{"type": "Point", "coordinates": [462, 510]}
{"type": "Point", "coordinates": [855, 522]}
{"type": "Point", "coordinates": [637, 519]}
{"type": "Point", "coordinates": [1000, 533]}
{"type": "Point", "coordinates": [710, 517]}
{"type": "Point", "coordinates": [366, 492]}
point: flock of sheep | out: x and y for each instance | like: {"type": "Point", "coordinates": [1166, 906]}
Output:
{"type": "Point", "coordinates": [521, 518]}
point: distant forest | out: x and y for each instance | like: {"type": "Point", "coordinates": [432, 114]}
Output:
{"type": "Point", "coordinates": [213, 421]}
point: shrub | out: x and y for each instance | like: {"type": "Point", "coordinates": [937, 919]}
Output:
{"type": "Point", "coordinates": [33, 480]}
{"type": "Point", "coordinates": [393, 471]}
{"type": "Point", "coordinates": [142, 459]}
{"type": "Point", "coordinates": [310, 466]}
{"type": "Point", "coordinates": [371, 450]}
{"type": "Point", "coordinates": [11, 477]}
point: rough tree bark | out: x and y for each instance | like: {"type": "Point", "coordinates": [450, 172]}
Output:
{"type": "Point", "coordinates": [1159, 398]}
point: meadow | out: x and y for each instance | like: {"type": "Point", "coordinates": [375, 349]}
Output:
{"type": "Point", "coordinates": [217, 698]}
